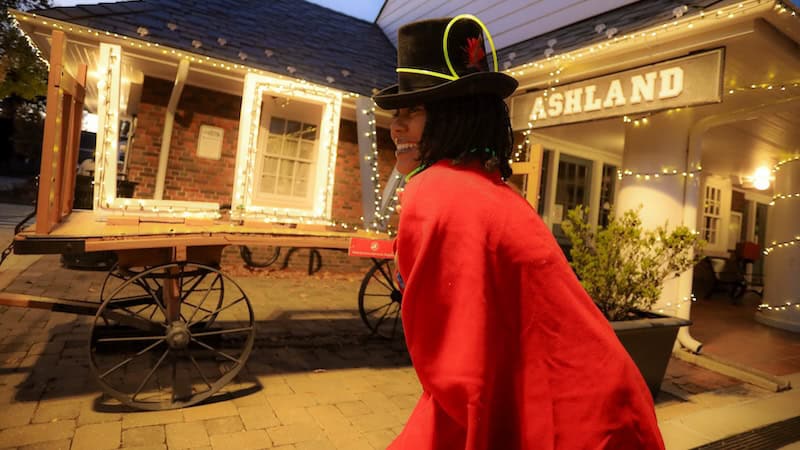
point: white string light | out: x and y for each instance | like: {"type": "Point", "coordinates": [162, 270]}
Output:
{"type": "Point", "coordinates": [784, 307]}
{"type": "Point", "coordinates": [649, 176]}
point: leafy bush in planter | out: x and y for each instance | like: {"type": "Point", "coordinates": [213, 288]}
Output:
{"type": "Point", "coordinates": [623, 266]}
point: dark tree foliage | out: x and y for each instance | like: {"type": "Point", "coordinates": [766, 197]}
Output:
{"type": "Point", "coordinates": [23, 85]}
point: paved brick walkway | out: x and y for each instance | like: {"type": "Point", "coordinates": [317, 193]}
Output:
{"type": "Point", "coordinates": [315, 381]}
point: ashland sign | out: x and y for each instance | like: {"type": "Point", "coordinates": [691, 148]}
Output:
{"type": "Point", "coordinates": [680, 82]}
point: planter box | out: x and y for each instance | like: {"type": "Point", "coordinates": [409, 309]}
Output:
{"type": "Point", "coordinates": [649, 341]}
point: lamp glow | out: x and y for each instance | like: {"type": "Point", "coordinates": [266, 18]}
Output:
{"type": "Point", "coordinates": [761, 178]}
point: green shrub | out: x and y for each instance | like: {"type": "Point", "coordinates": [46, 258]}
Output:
{"type": "Point", "coordinates": [623, 266]}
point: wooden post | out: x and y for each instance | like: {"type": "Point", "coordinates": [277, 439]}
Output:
{"type": "Point", "coordinates": [533, 169]}
{"type": "Point", "coordinates": [73, 142]}
{"type": "Point", "coordinates": [49, 170]}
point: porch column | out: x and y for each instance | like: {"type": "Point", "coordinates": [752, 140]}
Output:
{"type": "Point", "coordinates": [781, 308]}
{"type": "Point", "coordinates": [655, 145]}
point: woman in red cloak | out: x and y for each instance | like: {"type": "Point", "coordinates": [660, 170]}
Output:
{"type": "Point", "coordinates": [510, 350]}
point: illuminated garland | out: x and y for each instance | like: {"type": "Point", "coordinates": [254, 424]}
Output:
{"type": "Point", "coordinates": [678, 305]}
{"type": "Point", "coordinates": [372, 135]}
{"type": "Point", "coordinates": [776, 245]}
{"type": "Point", "coordinates": [784, 162]}
{"type": "Point", "coordinates": [106, 148]}
{"type": "Point", "coordinates": [246, 161]}
{"type": "Point", "coordinates": [647, 176]}
{"type": "Point", "coordinates": [785, 307]}
{"type": "Point", "coordinates": [681, 21]}
{"type": "Point", "coordinates": [783, 197]}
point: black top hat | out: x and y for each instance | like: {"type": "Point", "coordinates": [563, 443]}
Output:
{"type": "Point", "coordinates": [443, 58]}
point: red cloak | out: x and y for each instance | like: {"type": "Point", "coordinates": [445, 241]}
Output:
{"type": "Point", "coordinates": [510, 350]}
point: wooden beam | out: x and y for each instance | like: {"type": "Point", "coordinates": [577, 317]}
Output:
{"type": "Point", "coordinates": [49, 303]}
{"type": "Point", "coordinates": [49, 170]}
{"type": "Point", "coordinates": [75, 118]}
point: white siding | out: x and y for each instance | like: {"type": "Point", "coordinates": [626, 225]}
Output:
{"type": "Point", "coordinates": [509, 21]}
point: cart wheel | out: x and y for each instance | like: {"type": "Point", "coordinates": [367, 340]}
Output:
{"type": "Point", "coordinates": [379, 300]}
{"type": "Point", "coordinates": [114, 279]}
{"type": "Point", "coordinates": [140, 288]}
{"type": "Point", "coordinates": [149, 362]}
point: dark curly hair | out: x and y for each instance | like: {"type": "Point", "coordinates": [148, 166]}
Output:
{"type": "Point", "coordinates": [468, 128]}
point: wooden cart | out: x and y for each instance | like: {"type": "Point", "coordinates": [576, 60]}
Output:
{"type": "Point", "coordinates": [170, 329]}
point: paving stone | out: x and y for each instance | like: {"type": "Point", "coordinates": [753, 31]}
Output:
{"type": "Point", "coordinates": [380, 438]}
{"type": "Point", "coordinates": [18, 414]}
{"type": "Point", "coordinates": [405, 401]}
{"type": "Point", "coordinates": [323, 444]}
{"type": "Point", "coordinates": [356, 408]}
{"type": "Point", "coordinates": [350, 441]}
{"type": "Point", "coordinates": [375, 421]}
{"type": "Point", "coordinates": [209, 411]}
{"type": "Point", "coordinates": [49, 411]}
{"type": "Point", "coordinates": [144, 436]}
{"type": "Point", "coordinates": [141, 419]}
{"type": "Point", "coordinates": [330, 418]}
{"type": "Point", "coordinates": [254, 399]}
{"type": "Point", "coordinates": [61, 444]}
{"type": "Point", "coordinates": [243, 440]}
{"type": "Point", "coordinates": [288, 416]}
{"type": "Point", "coordinates": [258, 417]}
{"type": "Point", "coordinates": [291, 401]}
{"type": "Point", "coordinates": [377, 401]}
{"type": "Point", "coordinates": [186, 435]}
{"type": "Point", "coordinates": [224, 425]}
{"type": "Point", "coordinates": [46, 348]}
{"type": "Point", "coordinates": [88, 415]}
{"type": "Point", "coordinates": [97, 436]}
{"type": "Point", "coordinates": [36, 433]}
{"type": "Point", "coordinates": [291, 434]}
{"type": "Point", "coordinates": [148, 447]}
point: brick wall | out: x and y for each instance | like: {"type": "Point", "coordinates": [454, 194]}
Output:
{"type": "Point", "coordinates": [188, 177]}
{"type": "Point", "coordinates": [196, 179]}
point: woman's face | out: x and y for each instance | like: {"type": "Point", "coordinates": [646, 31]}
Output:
{"type": "Point", "coordinates": [407, 127]}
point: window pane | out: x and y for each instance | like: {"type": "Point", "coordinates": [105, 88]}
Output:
{"type": "Point", "coordinates": [274, 145]}
{"type": "Point", "coordinates": [287, 168]}
{"type": "Point", "coordinates": [290, 148]}
{"type": "Point", "coordinates": [284, 185]}
{"type": "Point", "coordinates": [309, 132]}
{"type": "Point", "coordinates": [277, 125]}
{"type": "Point", "coordinates": [303, 170]}
{"type": "Point", "coordinates": [270, 166]}
{"type": "Point", "coordinates": [306, 150]}
{"type": "Point", "coordinates": [300, 186]}
{"type": "Point", "coordinates": [293, 129]}
{"type": "Point", "coordinates": [267, 184]}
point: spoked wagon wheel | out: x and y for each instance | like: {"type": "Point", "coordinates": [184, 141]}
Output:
{"type": "Point", "coordinates": [170, 336]}
{"type": "Point", "coordinates": [379, 300]}
{"type": "Point", "coordinates": [114, 279]}
{"type": "Point", "coordinates": [140, 287]}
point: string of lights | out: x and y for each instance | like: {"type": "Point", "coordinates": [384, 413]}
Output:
{"type": "Point", "coordinates": [647, 176]}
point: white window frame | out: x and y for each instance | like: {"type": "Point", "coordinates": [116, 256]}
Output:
{"type": "Point", "coordinates": [718, 211]}
{"type": "Point", "coordinates": [291, 112]}
{"type": "Point", "coordinates": [105, 201]}
{"type": "Point", "coordinates": [712, 215]}
{"type": "Point", "coordinates": [598, 157]}
{"type": "Point", "coordinates": [246, 204]}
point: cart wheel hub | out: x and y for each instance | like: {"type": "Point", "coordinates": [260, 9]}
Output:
{"type": "Point", "coordinates": [178, 336]}
{"type": "Point", "coordinates": [396, 296]}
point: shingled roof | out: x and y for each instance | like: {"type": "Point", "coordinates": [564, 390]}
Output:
{"type": "Point", "coordinates": [617, 22]}
{"type": "Point", "coordinates": [308, 41]}
{"type": "Point", "coordinates": [289, 37]}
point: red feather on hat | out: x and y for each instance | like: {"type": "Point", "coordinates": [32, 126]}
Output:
{"type": "Point", "coordinates": [475, 53]}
